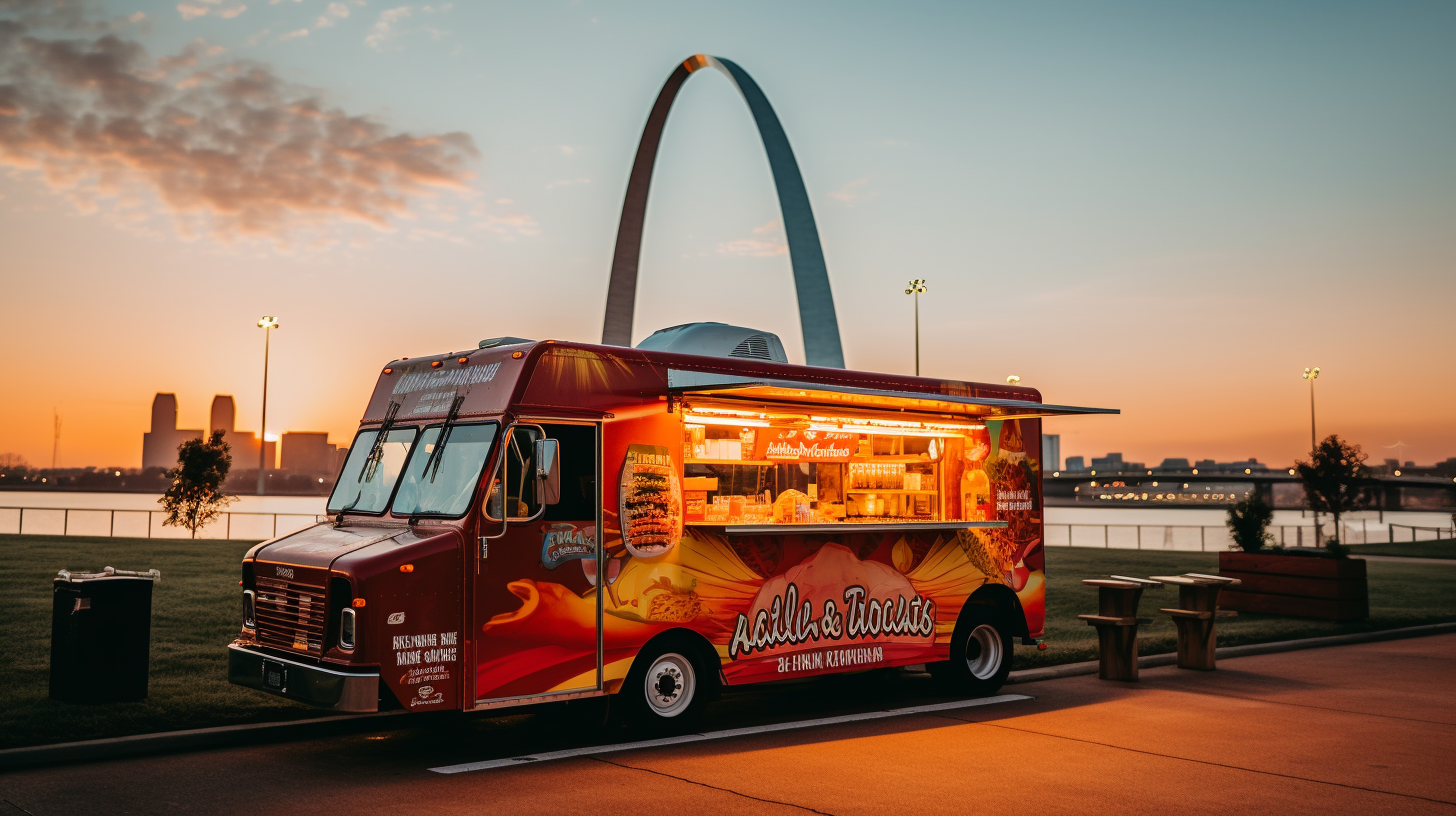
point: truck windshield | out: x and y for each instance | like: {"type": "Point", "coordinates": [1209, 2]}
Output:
{"type": "Point", "coordinates": [364, 486]}
{"type": "Point", "coordinates": [444, 484]}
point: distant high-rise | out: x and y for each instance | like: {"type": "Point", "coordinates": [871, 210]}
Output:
{"type": "Point", "coordinates": [1051, 452]}
{"type": "Point", "coordinates": [1076, 464]}
{"type": "Point", "coordinates": [159, 445]}
{"type": "Point", "coordinates": [308, 452]}
{"type": "Point", "coordinates": [224, 414]}
{"type": "Point", "coordinates": [1113, 463]}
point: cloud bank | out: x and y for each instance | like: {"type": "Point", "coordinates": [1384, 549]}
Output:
{"type": "Point", "coordinates": [227, 146]}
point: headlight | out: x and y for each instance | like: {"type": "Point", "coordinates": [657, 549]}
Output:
{"type": "Point", "coordinates": [250, 617]}
{"type": "Point", "coordinates": [346, 630]}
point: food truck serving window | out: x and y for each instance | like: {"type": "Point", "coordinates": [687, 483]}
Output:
{"type": "Point", "coordinates": [442, 474]}
{"type": "Point", "coordinates": [778, 467]}
{"type": "Point", "coordinates": [371, 470]}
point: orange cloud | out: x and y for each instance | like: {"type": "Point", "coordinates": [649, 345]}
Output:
{"type": "Point", "coordinates": [230, 143]}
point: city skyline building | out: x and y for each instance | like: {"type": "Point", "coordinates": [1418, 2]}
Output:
{"type": "Point", "coordinates": [310, 452]}
{"type": "Point", "coordinates": [224, 414]}
{"type": "Point", "coordinates": [295, 451]}
{"type": "Point", "coordinates": [244, 443]}
{"type": "Point", "coordinates": [159, 445]}
{"type": "Point", "coordinates": [1051, 452]}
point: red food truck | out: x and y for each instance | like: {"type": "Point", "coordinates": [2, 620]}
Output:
{"type": "Point", "coordinates": [542, 521]}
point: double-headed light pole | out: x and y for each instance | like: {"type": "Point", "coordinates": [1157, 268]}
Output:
{"type": "Point", "coordinates": [917, 288]}
{"type": "Point", "coordinates": [267, 323]}
{"type": "Point", "coordinates": [1311, 374]}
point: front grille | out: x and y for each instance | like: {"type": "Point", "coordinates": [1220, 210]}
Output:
{"type": "Point", "coordinates": [291, 615]}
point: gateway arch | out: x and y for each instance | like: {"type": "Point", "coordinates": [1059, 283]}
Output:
{"type": "Point", "coordinates": [811, 278]}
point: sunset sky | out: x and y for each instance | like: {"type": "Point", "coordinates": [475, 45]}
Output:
{"type": "Point", "coordinates": [1149, 206]}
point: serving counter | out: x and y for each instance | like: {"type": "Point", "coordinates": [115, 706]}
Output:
{"type": "Point", "coordinates": [852, 527]}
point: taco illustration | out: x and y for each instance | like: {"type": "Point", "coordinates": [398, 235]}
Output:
{"type": "Point", "coordinates": [651, 501]}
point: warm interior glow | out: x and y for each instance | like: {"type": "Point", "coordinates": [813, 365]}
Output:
{"type": "Point", "coordinates": [876, 431]}
{"type": "Point", "coordinates": [699, 419]}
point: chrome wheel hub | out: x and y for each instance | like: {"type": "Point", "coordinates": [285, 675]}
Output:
{"type": "Point", "coordinates": [984, 652]}
{"type": "Point", "coordinates": [670, 684]}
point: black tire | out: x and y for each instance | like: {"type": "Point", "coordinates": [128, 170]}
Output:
{"type": "Point", "coordinates": [666, 689]}
{"type": "Point", "coordinates": [980, 654]}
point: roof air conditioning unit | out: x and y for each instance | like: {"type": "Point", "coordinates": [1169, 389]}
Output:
{"type": "Point", "coordinates": [717, 340]}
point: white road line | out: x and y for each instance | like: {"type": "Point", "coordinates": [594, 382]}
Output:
{"type": "Point", "coordinates": [491, 764]}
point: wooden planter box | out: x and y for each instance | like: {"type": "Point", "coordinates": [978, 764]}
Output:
{"type": "Point", "coordinates": [1304, 587]}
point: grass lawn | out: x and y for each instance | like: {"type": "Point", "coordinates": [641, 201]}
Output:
{"type": "Point", "coordinates": [195, 614]}
{"type": "Point", "coordinates": [1441, 548]}
{"type": "Point", "coordinates": [195, 610]}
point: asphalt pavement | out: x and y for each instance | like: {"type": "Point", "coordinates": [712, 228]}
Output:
{"type": "Point", "coordinates": [1365, 728]}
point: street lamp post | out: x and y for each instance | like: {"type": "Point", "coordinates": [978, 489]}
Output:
{"type": "Point", "coordinates": [267, 323]}
{"type": "Point", "coordinates": [917, 288]}
{"type": "Point", "coordinates": [1312, 374]}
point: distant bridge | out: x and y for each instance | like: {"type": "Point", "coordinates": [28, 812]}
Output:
{"type": "Point", "coordinates": [1280, 489]}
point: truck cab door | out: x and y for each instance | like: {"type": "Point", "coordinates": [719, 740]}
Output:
{"type": "Point", "coordinates": [536, 610]}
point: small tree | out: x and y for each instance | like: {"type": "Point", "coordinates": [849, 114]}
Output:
{"type": "Point", "coordinates": [195, 497]}
{"type": "Point", "coordinates": [1336, 481]}
{"type": "Point", "coordinates": [1247, 519]}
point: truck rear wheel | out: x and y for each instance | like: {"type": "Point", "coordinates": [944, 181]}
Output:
{"type": "Point", "coordinates": [980, 654]}
{"type": "Point", "coordinates": [664, 691]}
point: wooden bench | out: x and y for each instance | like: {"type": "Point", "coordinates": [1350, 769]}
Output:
{"type": "Point", "coordinates": [1117, 621]}
{"type": "Point", "coordinates": [1197, 610]}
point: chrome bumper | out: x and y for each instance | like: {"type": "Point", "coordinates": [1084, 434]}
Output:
{"type": "Point", "coordinates": [318, 686]}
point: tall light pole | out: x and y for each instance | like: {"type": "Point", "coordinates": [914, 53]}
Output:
{"type": "Point", "coordinates": [267, 323]}
{"type": "Point", "coordinates": [917, 288]}
{"type": "Point", "coordinates": [1311, 374]}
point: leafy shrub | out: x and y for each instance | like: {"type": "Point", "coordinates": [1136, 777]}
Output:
{"type": "Point", "coordinates": [1248, 519]}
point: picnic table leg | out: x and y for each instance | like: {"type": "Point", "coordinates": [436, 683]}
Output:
{"type": "Point", "coordinates": [1117, 653]}
{"type": "Point", "coordinates": [1117, 642]}
{"type": "Point", "coordinates": [1197, 645]}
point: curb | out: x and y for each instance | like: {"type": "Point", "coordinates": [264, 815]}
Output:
{"type": "Point", "coordinates": [223, 736]}
{"type": "Point", "coordinates": [1227, 652]}
{"type": "Point", "coordinates": [228, 736]}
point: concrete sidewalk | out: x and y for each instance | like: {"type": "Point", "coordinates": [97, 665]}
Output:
{"type": "Point", "coordinates": [1366, 728]}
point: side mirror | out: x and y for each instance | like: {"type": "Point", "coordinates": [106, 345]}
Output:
{"type": "Point", "coordinates": [548, 471]}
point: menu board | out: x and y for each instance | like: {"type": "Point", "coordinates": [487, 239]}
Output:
{"type": "Point", "coordinates": [796, 445]}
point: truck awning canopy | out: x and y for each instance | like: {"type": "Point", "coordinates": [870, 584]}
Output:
{"type": "Point", "coordinates": [785, 393]}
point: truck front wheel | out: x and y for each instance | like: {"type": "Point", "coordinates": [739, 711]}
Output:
{"type": "Point", "coordinates": [664, 690]}
{"type": "Point", "coordinates": [980, 654]}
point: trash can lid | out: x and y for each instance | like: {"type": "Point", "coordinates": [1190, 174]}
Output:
{"type": "Point", "coordinates": [108, 572]}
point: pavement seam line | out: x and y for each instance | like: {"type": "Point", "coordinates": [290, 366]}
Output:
{"type": "Point", "coordinates": [17, 807]}
{"type": "Point", "coordinates": [1202, 761]}
{"type": "Point", "coordinates": [712, 787]}
{"type": "Point", "coordinates": [1327, 708]}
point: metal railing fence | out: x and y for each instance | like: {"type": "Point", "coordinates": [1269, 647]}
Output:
{"type": "Point", "coordinates": [108, 523]}
{"type": "Point", "coordinates": [1212, 538]}
{"type": "Point", "coordinates": [75, 521]}
{"type": "Point", "coordinates": [1410, 532]}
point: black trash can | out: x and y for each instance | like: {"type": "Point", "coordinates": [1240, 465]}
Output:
{"type": "Point", "coordinates": [101, 635]}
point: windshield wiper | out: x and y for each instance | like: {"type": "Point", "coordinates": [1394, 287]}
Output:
{"type": "Point", "coordinates": [376, 452]}
{"type": "Point", "coordinates": [371, 463]}
{"type": "Point", "coordinates": [432, 465]}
